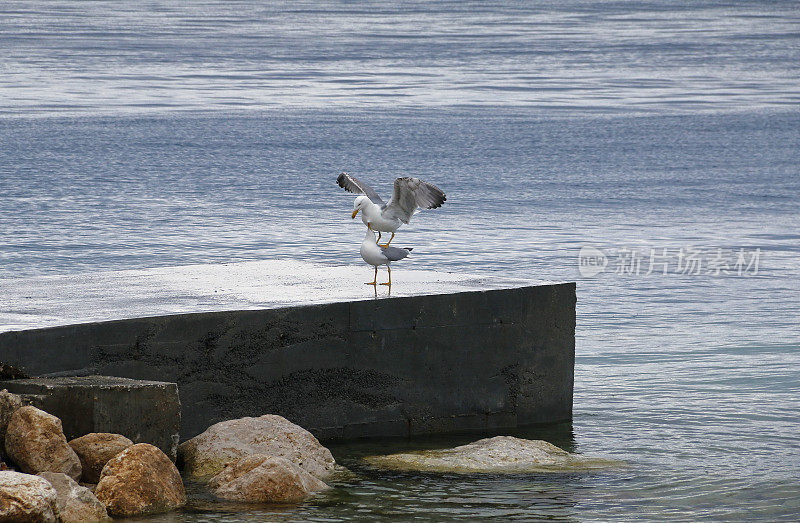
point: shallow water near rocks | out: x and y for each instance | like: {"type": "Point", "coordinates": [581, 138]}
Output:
{"type": "Point", "coordinates": [139, 135]}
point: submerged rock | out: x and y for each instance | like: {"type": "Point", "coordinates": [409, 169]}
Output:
{"type": "Point", "coordinates": [228, 441]}
{"type": "Point", "coordinates": [264, 479]}
{"type": "Point", "coordinates": [501, 454]}
{"type": "Point", "coordinates": [76, 504]}
{"type": "Point", "coordinates": [140, 480]}
{"type": "Point", "coordinates": [35, 442]}
{"type": "Point", "coordinates": [24, 497]}
{"type": "Point", "coordinates": [95, 449]}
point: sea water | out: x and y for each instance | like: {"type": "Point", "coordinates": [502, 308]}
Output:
{"type": "Point", "coordinates": [646, 150]}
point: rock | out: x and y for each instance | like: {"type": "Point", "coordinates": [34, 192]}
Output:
{"type": "Point", "coordinates": [140, 480]}
{"type": "Point", "coordinates": [9, 403]}
{"type": "Point", "coordinates": [206, 454]}
{"type": "Point", "coordinates": [76, 504]}
{"type": "Point", "coordinates": [95, 449]}
{"type": "Point", "coordinates": [10, 372]}
{"type": "Point", "coordinates": [36, 443]}
{"type": "Point", "coordinates": [24, 497]}
{"type": "Point", "coordinates": [492, 455]}
{"type": "Point", "coordinates": [264, 479]}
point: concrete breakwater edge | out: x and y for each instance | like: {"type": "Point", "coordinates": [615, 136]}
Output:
{"type": "Point", "coordinates": [479, 360]}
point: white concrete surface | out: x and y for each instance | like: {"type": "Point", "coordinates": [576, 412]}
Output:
{"type": "Point", "coordinates": [45, 301]}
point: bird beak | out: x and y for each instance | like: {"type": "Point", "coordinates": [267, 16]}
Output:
{"type": "Point", "coordinates": [354, 214]}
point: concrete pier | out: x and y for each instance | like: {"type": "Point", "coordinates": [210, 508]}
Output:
{"type": "Point", "coordinates": [457, 360]}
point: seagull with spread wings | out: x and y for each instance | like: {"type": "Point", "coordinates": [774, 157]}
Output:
{"type": "Point", "coordinates": [409, 194]}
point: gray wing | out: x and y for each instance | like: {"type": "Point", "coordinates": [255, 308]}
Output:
{"type": "Point", "coordinates": [409, 194]}
{"type": "Point", "coordinates": [395, 253]}
{"type": "Point", "coordinates": [352, 184]}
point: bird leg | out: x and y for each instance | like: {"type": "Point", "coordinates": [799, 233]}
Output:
{"type": "Point", "coordinates": [375, 280]}
{"type": "Point", "coordinates": [387, 243]}
{"type": "Point", "coordinates": [369, 226]}
{"type": "Point", "coordinates": [389, 283]}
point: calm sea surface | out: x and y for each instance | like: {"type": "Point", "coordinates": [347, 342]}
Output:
{"type": "Point", "coordinates": [143, 134]}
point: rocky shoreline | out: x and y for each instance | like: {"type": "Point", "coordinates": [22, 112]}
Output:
{"type": "Point", "coordinates": [98, 476]}
{"type": "Point", "coordinates": [267, 459]}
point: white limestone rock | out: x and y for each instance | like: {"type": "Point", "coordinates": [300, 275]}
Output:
{"type": "Point", "coordinates": [76, 504]}
{"type": "Point", "coordinates": [264, 479]}
{"type": "Point", "coordinates": [207, 454]}
{"type": "Point", "coordinates": [500, 454]}
{"type": "Point", "coordinates": [27, 498]}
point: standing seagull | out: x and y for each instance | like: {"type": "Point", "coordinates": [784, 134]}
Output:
{"type": "Point", "coordinates": [408, 195]}
{"type": "Point", "coordinates": [375, 254]}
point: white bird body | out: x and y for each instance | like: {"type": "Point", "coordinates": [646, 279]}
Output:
{"type": "Point", "coordinates": [376, 255]}
{"type": "Point", "coordinates": [371, 252]}
{"type": "Point", "coordinates": [409, 195]}
{"type": "Point", "coordinates": [372, 216]}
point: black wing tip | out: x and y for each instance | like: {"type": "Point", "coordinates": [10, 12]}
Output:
{"type": "Point", "coordinates": [437, 204]}
{"type": "Point", "coordinates": [409, 249]}
{"type": "Point", "coordinates": [342, 180]}
{"type": "Point", "coordinates": [442, 197]}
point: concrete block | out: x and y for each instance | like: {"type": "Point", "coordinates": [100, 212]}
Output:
{"type": "Point", "coordinates": [479, 361]}
{"type": "Point", "coordinates": [143, 411]}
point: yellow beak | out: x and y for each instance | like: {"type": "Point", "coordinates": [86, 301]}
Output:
{"type": "Point", "coordinates": [354, 214]}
